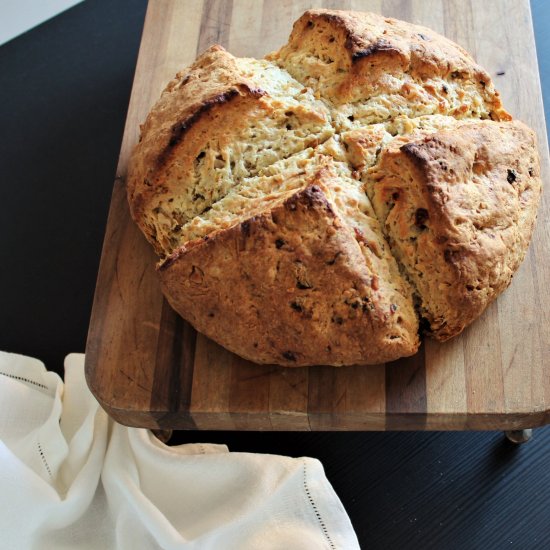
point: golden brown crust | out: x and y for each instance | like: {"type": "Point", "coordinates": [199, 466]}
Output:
{"type": "Point", "coordinates": [211, 81]}
{"type": "Point", "coordinates": [192, 97]}
{"type": "Point", "coordinates": [459, 207]}
{"type": "Point", "coordinates": [290, 286]}
{"type": "Point", "coordinates": [387, 44]}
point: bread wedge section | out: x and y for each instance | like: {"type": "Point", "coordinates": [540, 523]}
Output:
{"type": "Point", "coordinates": [372, 68]}
{"type": "Point", "coordinates": [219, 122]}
{"type": "Point", "coordinates": [458, 207]}
{"type": "Point", "coordinates": [294, 284]}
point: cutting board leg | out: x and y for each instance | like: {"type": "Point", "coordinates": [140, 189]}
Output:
{"type": "Point", "coordinates": [163, 435]}
{"type": "Point", "coordinates": [519, 436]}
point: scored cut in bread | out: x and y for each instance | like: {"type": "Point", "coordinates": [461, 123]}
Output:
{"type": "Point", "coordinates": [318, 206]}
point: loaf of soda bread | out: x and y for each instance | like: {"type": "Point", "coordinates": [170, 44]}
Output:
{"type": "Point", "coordinates": [323, 204]}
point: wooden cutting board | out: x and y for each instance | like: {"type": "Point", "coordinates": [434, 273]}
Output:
{"type": "Point", "coordinates": [149, 368]}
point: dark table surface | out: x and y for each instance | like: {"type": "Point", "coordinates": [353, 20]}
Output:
{"type": "Point", "coordinates": [64, 93]}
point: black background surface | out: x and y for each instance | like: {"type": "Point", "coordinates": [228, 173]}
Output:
{"type": "Point", "coordinates": [64, 94]}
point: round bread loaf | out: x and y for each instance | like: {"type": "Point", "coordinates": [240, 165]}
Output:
{"type": "Point", "coordinates": [321, 205]}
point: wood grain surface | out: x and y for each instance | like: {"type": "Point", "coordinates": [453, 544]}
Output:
{"type": "Point", "coordinates": [149, 368]}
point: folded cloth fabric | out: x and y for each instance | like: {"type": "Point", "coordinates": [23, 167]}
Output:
{"type": "Point", "coordinates": [71, 478]}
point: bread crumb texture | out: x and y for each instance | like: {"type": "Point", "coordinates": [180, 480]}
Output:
{"type": "Point", "coordinates": [319, 205]}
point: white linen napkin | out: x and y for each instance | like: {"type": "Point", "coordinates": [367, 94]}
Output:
{"type": "Point", "coordinates": [71, 478]}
